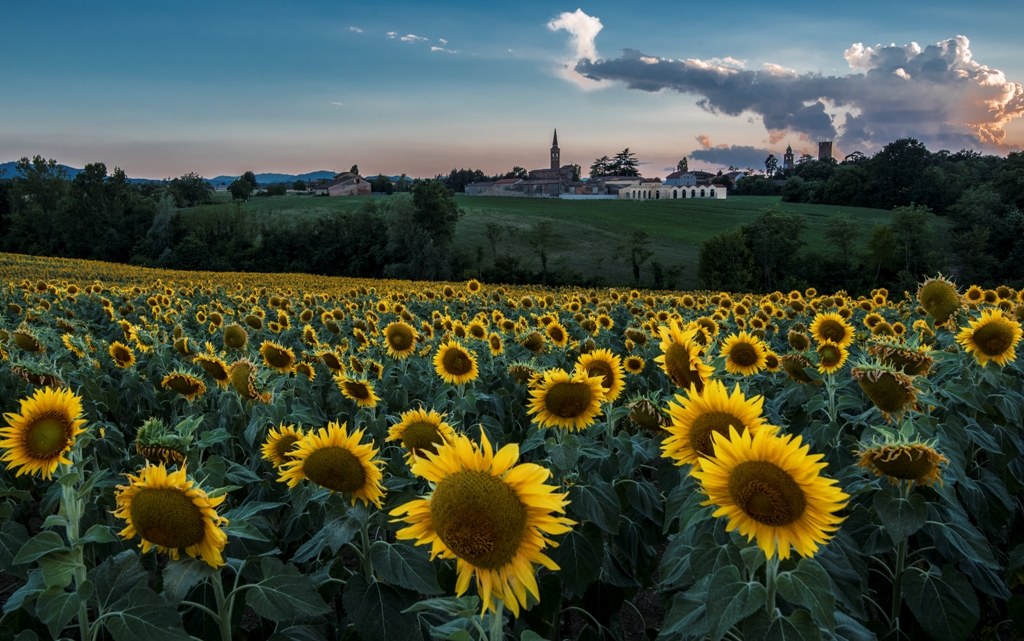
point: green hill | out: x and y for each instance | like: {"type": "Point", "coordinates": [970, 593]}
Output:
{"type": "Point", "coordinates": [586, 235]}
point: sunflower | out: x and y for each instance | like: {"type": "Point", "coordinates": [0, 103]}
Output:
{"type": "Point", "coordinates": [770, 487]}
{"type": "Point", "coordinates": [831, 327]}
{"type": "Point", "coordinates": [603, 363]}
{"type": "Point", "coordinates": [680, 357]}
{"type": "Point", "coordinates": [122, 355]}
{"type": "Point", "coordinates": [744, 354]}
{"type": "Point", "coordinates": [940, 298]}
{"type": "Point", "coordinates": [534, 341]}
{"type": "Point", "coordinates": [280, 441]}
{"type": "Point", "coordinates": [557, 333]}
{"type": "Point", "coordinates": [455, 364]}
{"type": "Point", "coordinates": [277, 357]}
{"type": "Point", "coordinates": [421, 431]}
{"type": "Point", "coordinates": [170, 513]}
{"type": "Point", "coordinates": [27, 341]}
{"type": "Point", "coordinates": [993, 337]}
{"type": "Point", "coordinates": [235, 336]}
{"type": "Point", "coordinates": [889, 389]}
{"type": "Point", "coordinates": [215, 367]}
{"type": "Point", "coordinates": [495, 344]}
{"type": "Point", "coordinates": [400, 338]}
{"type": "Point", "coordinates": [359, 390]}
{"type": "Point", "coordinates": [564, 400]}
{"type": "Point", "coordinates": [916, 462]}
{"type": "Point", "coordinates": [185, 384]}
{"type": "Point", "coordinates": [696, 417]}
{"type": "Point", "coordinates": [491, 515]}
{"type": "Point", "coordinates": [39, 437]}
{"type": "Point", "coordinates": [634, 365]}
{"type": "Point", "coordinates": [334, 459]}
{"type": "Point", "coordinates": [831, 357]}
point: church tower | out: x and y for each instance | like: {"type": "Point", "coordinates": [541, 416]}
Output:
{"type": "Point", "coordinates": [787, 159]}
{"type": "Point", "coordinates": [555, 154]}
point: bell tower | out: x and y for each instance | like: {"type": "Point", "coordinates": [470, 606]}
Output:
{"type": "Point", "coordinates": [555, 154]}
{"type": "Point", "coordinates": [787, 159]}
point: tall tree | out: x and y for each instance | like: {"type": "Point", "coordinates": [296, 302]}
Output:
{"type": "Point", "coordinates": [771, 165]}
{"type": "Point", "coordinates": [190, 189]}
{"type": "Point", "coordinates": [625, 163]}
{"type": "Point", "coordinates": [683, 165]}
{"type": "Point", "coordinates": [436, 211]}
{"type": "Point", "coordinates": [599, 167]}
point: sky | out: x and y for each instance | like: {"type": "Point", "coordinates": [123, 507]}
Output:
{"type": "Point", "coordinates": [162, 89]}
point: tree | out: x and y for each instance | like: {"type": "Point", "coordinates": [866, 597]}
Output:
{"type": "Point", "coordinates": [517, 172]}
{"type": "Point", "coordinates": [724, 263]}
{"type": "Point", "coordinates": [842, 234]}
{"type": "Point", "coordinates": [243, 186]}
{"type": "Point", "coordinates": [683, 165]}
{"type": "Point", "coordinates": [577, 172]}
{"type": "Point", "coordinates": [804, 158]}
{"type": "Point", "coordinates": [436, 211]}
{"type": "Point", "coordinates": [773, 239]}
{"type": "Point", "coordinates": [771, 165]}
{"type": "Point", "coordinates": [624, 164]}
{"type": "Point", "coordinates": [190, 189]}
{"type": "Point", "coordinates": [381, 184]}
{"type": "Point", "coordinates": [539, 237]}
{"type": "Point", "coordinates": [354, 169]}
{"type": "Point", "coordinates": [493, 232]}
{"type": "Point", "coordinates": [299, 185]}
{"type": "Point", "coordinates": [599, 167]}
{"type": "Point", "coordinates": [637, 251]}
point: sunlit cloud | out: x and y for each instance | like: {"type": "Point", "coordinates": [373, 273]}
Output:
{"type": "Point", "coordinates": [355, 29]}
{"type": "Point", "coordinates": [582, 30]}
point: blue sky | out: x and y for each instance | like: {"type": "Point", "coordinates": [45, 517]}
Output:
{"type": "Point", "coordinates": [421, 88]}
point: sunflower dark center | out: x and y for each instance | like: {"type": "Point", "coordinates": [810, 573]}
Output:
{"type": "Point", "coordinates": [235, 337]}
{"type": "Point", "coordinates": [904, 463]}
{"type": "Point", "coordinates": [479, 517]}
{"type": "Point", "coordinates": [278, 357]}
{"type": "Point", "coordinates": [743, 354]}
{"type": "Point", "coordinates": [122, 355]}
{"type": "Point", "coordinates": [556, 334]}
{"type": "Point", "coordinates": [829, 355]}
{"type": "Point", "coordinates": [704, 427]}
{"type": "Point", "coordinates": [335, 468]}
{"type": "Point", "coordinates": [568, 400]}
{"type": "Point", "coordinates": [399, 338]}
{"type": "Point", "coordinates": [604, 370]}
{"type": "Point", "coordinates": [457, 362]}
{"type": "Point", "coordinates": [677, 365]}
{"type": "Point", "coordinates": [167, 517]}
{"type": "Point", "coordinates": [534, 342]}
{"type": "Point", "coordinates": [887, 392]}
{"type": "Point", "coordinates": [832, 330]}
{"type": "Point", "coordinates": [421, 436]}
{"type": "Point", "coordinates": [477, 331]}
{"type": "Point", "coordinates": [766, 493]}
{"type": "Point", "coordinates": [47, 436]}
{"type": "Point", "coordinates": [993, 339]}
{"type": "Point", "coordinates": [283, 446]}
{"type": "Point", "coordinates": [357, 389]}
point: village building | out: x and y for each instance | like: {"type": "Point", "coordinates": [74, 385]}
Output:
{"type": "Point", "coordinates": [657, 190]}
{"type": "Point", "coordinates": [348, 184]}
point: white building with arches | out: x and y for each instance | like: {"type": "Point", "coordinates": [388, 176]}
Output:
{"type": "Point", "coordinates": [659, 191]}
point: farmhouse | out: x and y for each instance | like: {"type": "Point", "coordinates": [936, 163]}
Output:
{"type": "Point", "coordinates": [348, 184]}
{"type": "Point", "coordinates": [661, 191]}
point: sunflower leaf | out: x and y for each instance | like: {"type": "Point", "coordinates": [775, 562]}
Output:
{"type": "Point", "coordinates": [404, 566]}
{"type": "Point", "coordinates": [797, 626]}
{"type": "Point", "coordinates": [56, 608]}
{"type": "Point", "coordinates": [284, 594]}
{"type": "Point", "coordinates": [376, 611]}
{"type": "Point", "coordinates": [598, 503]}
{"type": "Point", "coordinates": [181, 576]}
{"type": "Point", "coordinates": [808, 585]}
{"type": "Point", "coordinates": [899, 516]}
{"type": "Point", "coordinates": [687, 618]}
{"type": "Point", "coordinates": [730, 600]}
{"type": "Point", "coordinates": [942, 601]}
{"type": "Point", "coordinates": [59, 568]}
{"type": "Point", "coordinates": [580, 555]}
{"type": "Point", "coordinates": [39, 546]}
{"type": "Point", "coordinates": [145, 615]}
{"type": "Point", "coordinates": [115, 577]}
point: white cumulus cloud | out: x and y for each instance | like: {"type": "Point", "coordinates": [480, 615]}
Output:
{"type": "Point", "coordinates": [583, 30]}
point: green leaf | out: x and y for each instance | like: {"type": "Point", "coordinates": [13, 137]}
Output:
{"type": "Point", "coordinates": [99, 534]}
{"type": "Point", "coordinates": [597, 503]}
{"type": "Point", "coordinates": [404, 566]}
{"type": "Point", "coordinates": [12, 537]}
{"type": "Point", "coordinates": [730, 600]}
{"type": "Point", "coordinates": [798, 626]}
{"type": "Point", "coordinates": [58, 569]}
{"type": "Point", "coordinates": [183, 575]}
{"type": "Point", "coordinates": [808, 585]}
{"type": "Point", "coordinates": [30, 590]}
{"type": "Point", "coordinates": [57, 608]}
{"type": "Point", "coordinates": [687, 618]}
{"type": "Point", "coordinates": [284, 594]}
{"type": "Point", "coordinates": [39, 546]}
{"type": "Point", "coordinates": [942, 601]}
{"type": "Point", "coordinates": [115, 577]}
{"type": "Point", "coordinates": [248, 510]}
{"type": "Point", "coordinates": [375, 609]}
{"type": "Point", "coordinates": [580, 555]}
{"type": "Point", "coordinates": [144, 615]}
{"type": "Point", "coordinates": [899, 516]}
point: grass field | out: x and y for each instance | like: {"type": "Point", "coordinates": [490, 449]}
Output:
{"type": "Point", "coordinates": [587, 235]}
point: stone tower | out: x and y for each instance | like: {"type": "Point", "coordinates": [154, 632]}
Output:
{"type": "Point", "coordinates": [787, 158]}
{"type": "Point", "coordinates": [556, 156]}
{"type": "Point", "coordinates": [825, 150]}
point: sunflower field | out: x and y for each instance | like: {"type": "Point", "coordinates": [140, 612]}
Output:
{"type": "Point", "coordinates": [242, 456]}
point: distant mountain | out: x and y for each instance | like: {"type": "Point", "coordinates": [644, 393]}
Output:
{"type": "Point", "coordinates": [10, 170]}
{"type": "Point", "coordinates": [269, 178]}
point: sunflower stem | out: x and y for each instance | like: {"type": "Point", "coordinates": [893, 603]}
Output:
{"type": "Point", "coordinates": [498, 623]}
{"type": "Point", "coordinates": [223, 607]}
{"type": "Point", "coordinates": [364, 532]}
{"type": "Point", "coordinates": [830, 387]}
{"type": "Point", "coordinates": [901, 562]}
{"type": "Point", "coordinates": [771, 573]}
{"type": "Point", "coordinates": [72, 505]}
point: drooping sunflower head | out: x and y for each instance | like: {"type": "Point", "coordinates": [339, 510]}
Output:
{"type": "Point", "coordinates": [534, 341]}
{"type": "Point", "coordinates": [39, 437]}
{"type": "Point", "coordinates": [277, 357]}
{"type": "Point", "coordinates": [795, 366]}
{"type": "Point", "coordinates": [184, 384]}
{"type": "Point", "coordinates": [335, 459]}
{"type": "Point", "coordinates": [744, 354]}
{"type": "Point", "coordinates": [571, 401]}
{"type": "Point", "coordinates": [400, 338]}
{"type": "Point", "coordinates": [991, 338]}
{"type": "Point", "coordinates": [491, 515]}
{"type": "Point", "coordinates": [889, 389]}
{"type": "Point", "coordinates": [832, 327]}
{"type": "Point", "coordinates": [798, 340]}
{"type": "Point", "coordinates": [912, 461]}
{"type": "Point", "coordinates": [121, 354]}
{"type": "Point", "coordinates": [421, 431]}
{"type": "Point", "coordinates": [455, 364]}
{"type": "Point", "coordinates": [940, 298]}
{"type": "Point", "coordinates": [681, 358]}
{"type": "Point", "coordinates": [694, 419]}
{"type": "Point", "coordinates": [27, 341]}
{"type": "Point", "coordinates": [913, 361]}
{"type": "Point", "coordinates": [359, 390]}
{"type": "Point", "coordinates": [215, 367]}
{"type": "Point", "coordinates": [235, 336]}
{"type": "Point", "coordinates": [277, 447]}
{"type": "Point", "coordinates": [770, 488]}
{"type": "Point", "coordinates": [603, 363]}
{"type": "Point", "coordinates": [242, 376]}
{"type": "Point", "coordinates": [831, 357]}
{"type": "Point", "coordinates": [172, 514]}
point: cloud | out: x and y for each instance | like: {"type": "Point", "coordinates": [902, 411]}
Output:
{"type": "Point", "coordinates": [582, 30]}
{"type": "Point", "coordinates": [355, 29]}
{"type": "Point", "coordinates": [337, 104]}
{"type": "Point", "coordinates": [704, 141]}
{"type": "Point", "coordinates": [392, 34]}
{"type": "Point", "coordinates": [938, 93]}
{"type": "Point", "coordinates": [442, 50]}
{"type": "Point", "coordinates": [412, 37]}
{"type": "Point", "coordinates": [742, 156]}
{"type": "Point", "coordinates": [442, 41]}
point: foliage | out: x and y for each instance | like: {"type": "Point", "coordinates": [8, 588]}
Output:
{"type": "Point", "coordinates": [624, 163]}
{"type": "Point", "coordinates": [191, 189]}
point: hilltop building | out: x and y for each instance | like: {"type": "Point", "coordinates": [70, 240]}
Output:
{"type": "Point", "coordinates": [825, 150]}
{"type": "Point", "coordinates": [343, 184]}
{"type": "Point", "coordinates": [787, 159]}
